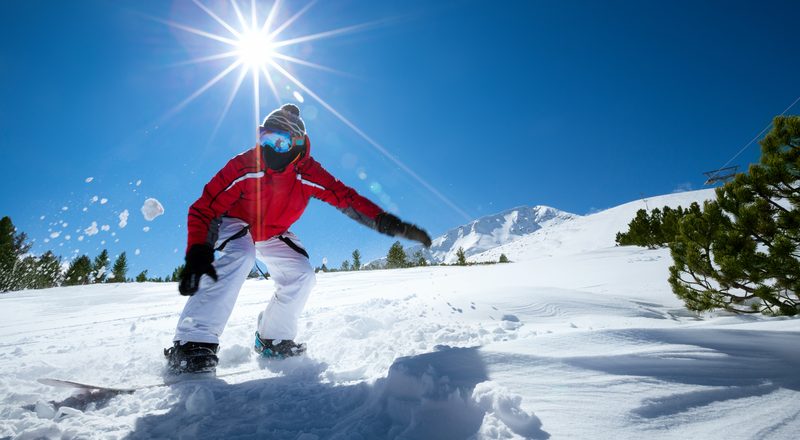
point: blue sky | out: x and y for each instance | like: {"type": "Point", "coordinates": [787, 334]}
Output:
{"type": "Point", "coordinates": [576, 105]}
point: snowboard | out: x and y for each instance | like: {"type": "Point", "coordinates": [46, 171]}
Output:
{"type": "Point", "coordinates": [90, 387]}
{"type": "Point", "coordinates": [62, 383]}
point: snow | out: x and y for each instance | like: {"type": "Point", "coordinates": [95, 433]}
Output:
{"type": "Point", "coordinates": [92, 229]}
{"type": "Point", "coordinates": [88, 179]}
{"type": "Point", "coordinates": [489, 232]}
{"type": "Point", "coordinates": [123, 218]}
{"type": "Point", "coordinates": [575, 338]}
{"type": "Point", "coordinates": [151, 209]}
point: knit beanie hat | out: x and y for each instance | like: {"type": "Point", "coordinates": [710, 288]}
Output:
{"type": "Point", "coordinates": [286, 118]}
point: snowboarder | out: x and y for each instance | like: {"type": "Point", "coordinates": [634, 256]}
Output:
{"type": "Point", "coordinates": [245, 213]}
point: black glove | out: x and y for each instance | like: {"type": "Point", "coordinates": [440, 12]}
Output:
{"type": "Point", "coordinates": [198, 263]}
{"type": "Point", "coordinates": [391, 225]}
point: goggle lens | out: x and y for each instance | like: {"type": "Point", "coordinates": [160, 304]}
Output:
{"type": "Point", "coordinates": [280, 141]}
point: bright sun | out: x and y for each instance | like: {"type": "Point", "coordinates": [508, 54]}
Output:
{"type": "Point", "coordinates": [254, 49]}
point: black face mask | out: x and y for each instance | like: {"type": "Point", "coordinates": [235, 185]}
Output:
{"type": "Point", "coordinates": [279, 161]}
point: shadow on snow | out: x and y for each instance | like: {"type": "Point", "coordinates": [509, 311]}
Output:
{"type": "Point", "coordinates": [424, 396]}
{"type": "Point", "coordinates": [737, 363]}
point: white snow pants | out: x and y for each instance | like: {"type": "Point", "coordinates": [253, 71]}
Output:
{"type": "Point", "coordinates": [207, 311]}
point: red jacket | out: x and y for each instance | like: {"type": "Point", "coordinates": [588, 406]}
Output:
{"type": "Point", "coordinates": [270, 201]}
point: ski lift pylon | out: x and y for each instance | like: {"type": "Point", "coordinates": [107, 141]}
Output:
{"type": "Point", "coordinates": [721, 175]}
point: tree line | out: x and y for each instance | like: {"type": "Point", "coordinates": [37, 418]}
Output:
{"type": "Point", "coordinates": [741, 251]}
{"type": "Point", "coordinates": [397, 258]}
{"type": "Point", "coordinates": [21, 270]}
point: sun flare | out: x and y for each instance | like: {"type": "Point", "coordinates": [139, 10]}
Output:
{"type": "Point", "coordinates": [254, 49]}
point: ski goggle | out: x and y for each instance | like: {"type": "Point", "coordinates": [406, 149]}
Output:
{"type": "Point", "coordinates": [280, 141]}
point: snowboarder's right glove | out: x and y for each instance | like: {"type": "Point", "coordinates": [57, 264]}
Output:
{"type": "Point", "coordinates": [391, 225]}
{"type": "Point", "coordinates": [198, 263]}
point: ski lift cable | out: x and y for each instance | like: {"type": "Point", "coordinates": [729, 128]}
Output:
{"type": "Point", "coordinates": [758, 135]}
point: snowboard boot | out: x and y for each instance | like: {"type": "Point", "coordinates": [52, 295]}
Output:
{"type": "Point", "coordinates": [192, 357]}
{"type": "Point", "coordinates": [278, 349]}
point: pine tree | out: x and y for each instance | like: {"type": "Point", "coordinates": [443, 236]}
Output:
{"type": "Point", "coordinates": [47, 272]}
{"type": "Point", "coordinates": [419, 259]}
{"type": "Point", "coordinates": [345, 265]}
{"type": "Point", "coordinates": [655, 229]}
{"type": "Point", "coordinates": [396, 258]}
{"type": "Point", "coordinates": [356, 260]}
{"type": "Point", "coordinates": [142, 277]}
{"type": "Point", "coordinates": [12, 246]}
{"type": "Point", "coordinates": [461, 257]}
{"type": "Point", "coordinates": [741, 252]}
{"type": "Point", "coordinates": [120, 269]}
{"type": "Point", "coordinates": [100, 267]}
{"type": "Point", "coordinates": [25, 273]}
{"type": "Point", "coordinates": [79, 271]}
{"type": "Point", "coordinates": [176, 274]}
{"type": "Point", "coordinates": [503, 259]}
{"type": "Point", "coordinates": [640, 231]}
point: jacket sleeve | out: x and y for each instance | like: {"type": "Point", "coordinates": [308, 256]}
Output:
{"type": "Point", "coordinates": [218, 196]}
{"type": "Point", "coordinates": [322, 185]}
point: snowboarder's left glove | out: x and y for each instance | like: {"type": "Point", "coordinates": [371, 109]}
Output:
{"type": "Point", "coordinates": [391, 225]}
{"type": "Point", "coordinates": [198, 263]}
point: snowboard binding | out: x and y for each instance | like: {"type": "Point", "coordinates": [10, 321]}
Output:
{"type": "Point", "coordinates": [278, 349]}
{"type": "Point", "coordinates": [192, 357]}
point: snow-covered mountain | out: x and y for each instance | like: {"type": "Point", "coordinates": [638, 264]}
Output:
{"type": "Point", "coordinates": [490, 232]}
{"type": "Point", "coordinates": [586, 233]}
{"type": "Point", "coordinates": [576, 339]}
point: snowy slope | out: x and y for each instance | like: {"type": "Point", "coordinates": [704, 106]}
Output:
{"type": "Point", "coordinates": [583, 340]}
{"type": "Point", "coordinates": [585, 233]}
{"type": "Point", "coordinates": [489, 232]}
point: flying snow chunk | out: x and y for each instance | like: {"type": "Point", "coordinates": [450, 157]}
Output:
{"type": "Point", "coordinates": [64, 208]}
{"type": "Point", "coordinates": [298, 96]}
{"type": "Point", "coordinates": [105, 227]}
{"type": "Point", "coordinates": [89, 179]}
{"type": "Point", "coordinates": [91, 230]}
{"type": "Point", "coordinates": [137, 252]}
{"type": "Point", "coordinates": [103, 201]}
{"type": "Point", "coordinates": [123, 218]}
{"type": "Point", "coordinates": [151, 209]}
{"type": "Point", "coordinates": [146, 229]}
{"type": "Point", "coordinates": [139, 183]}
{"type": "Point", "coordinates": [55, 234]}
